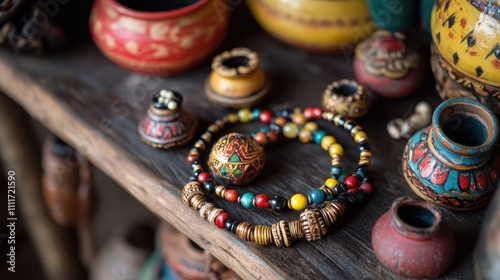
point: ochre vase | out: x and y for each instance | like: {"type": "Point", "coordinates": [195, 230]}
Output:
{"type": "Point", "coordinates": [413, 240]}
{"type": "Point", "coordinates": [455, 161]}
{"type": "Point", "coordinates": [316, 25]}
{"type": "Point", "coordinates": [155, 37]}
{"type": "Point", "coordinates": [466, 54]}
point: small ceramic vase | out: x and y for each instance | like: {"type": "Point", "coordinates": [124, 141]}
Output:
{"type": "Point", "coordinates": [413, 240]}
{"type": "Point", "coordinates": [167, 124]}
{"type": "Point", "coordinates": [455, 161]}
{"type": "Point", "coordinates": [316, 25]}
{"type": "Point", "coordinates": [236, 80]}
{"type": "Point", "coordinates": [395, 16]}
{"type": "Point", "coordinates": [236, 159]}
{"type": "Point", "coordinates": [158, 37]}
{"type": "Point", "coordinates": [386, 66]}
{"type": "Point", "coordinates": [346, 97]}
{"type": "Point", "coordinates": [466, 52]}
{"type": "Point", "coordinates": [487, 253]}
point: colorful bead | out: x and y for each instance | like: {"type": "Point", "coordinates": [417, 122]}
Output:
{"type": "Point", "coordinates": [290, 130]}
{"type": "Point", "coordinates": [231, 195]}
{"type": "Point", "coordinates": [343, 175]}
{"type": "Point", "coordinates": [299, 118]}
{"type": "Point", "coordinates": [360, 136]}
{"type": "Point", "coordinates": [203, 176]}
{"type": "Point", "coordinates": [232, 118]}
{"type": "Point", "coordinates": [336, 171]}
{"type": "Point", "coordinates": [331, 182]}
{"type": "Point", "coordinates": [298, 202]}
{"type": "Point", "coordinates": [221, 219]}
{"type": "Point", "coordinates": [256, 113]}
{"type": "Point", "coordinates": [311, 126]}
{"type": "Point", "coordinates": [247, 200]}
{"type": "Point", "coordinates": [261, 138]}
{"type": "Point", "coordinates": [336, 149]}
{"type": "Point", "coordinates": [367, 187]}
{"type": "Point", "coordinates": [351, 181]}
{"type": "Point", "coordinates": [278, 203]}
{"type": "Point", "coordinates": [327, 141]}
{"type": "Point", "coordinates": [265, 116]}
{"type": "Point", "coordinates": [305, 136]}
{"type": "Point", "coordinates": [317, 112]}
{"type": "Point", "coordinates": [262, 200]}
{"type": "Point", "coordinates": [308, 113]}
{"type": "Point", "coordinates": [317, 196]}
{"type": "Point", "coordinates": [318, 136]}
{"type": "Point", "coordinates": [273, 136]}
{"type": "Point", "coordinates": [245, 115]}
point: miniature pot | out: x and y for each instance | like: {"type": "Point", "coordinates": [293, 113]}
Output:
{"type": "Point", "coordinates": [316, 25]}
{"type": "Point", "coordinates": [413, 240]}
{"type": "Point", "coordinates": [155, 37]}
{"type": "Point", "coordinates": [385, 65]}
{"type": "Point", "coordinates": [346, 97]}
{"type": "Point", "coordinates": [455, 161]}
{"type": "Point", "coordinates": [236, 80]}
{"type": "Point", "coordinates": [466, 58]}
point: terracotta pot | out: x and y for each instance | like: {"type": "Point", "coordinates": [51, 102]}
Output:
{"type": "Point", "coordinates": [466, 61]}
{"type": "Point", "coordinates": [413, 240]}
{"type": "Point", "coordinates": [158, 38]}
{"type": "Point", "coordinates": [316, 25]}
{"type": "Point", "coordinates": [455, 162]}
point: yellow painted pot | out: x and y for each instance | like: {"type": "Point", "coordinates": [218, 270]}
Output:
{"type": "Point", "coordinates": [316, 25]}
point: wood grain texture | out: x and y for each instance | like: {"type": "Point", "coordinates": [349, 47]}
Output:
{"type": "Point", "coordinates": [95, 106]}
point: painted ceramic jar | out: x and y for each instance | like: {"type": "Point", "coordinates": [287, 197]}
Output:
{"type": "Point", "coordinates": [236, 159]}
{"type": "Point", "coordinates": [466, 59]}
{"type": "Point", "coordinates": [410, 231]}
{"type": "Point", "coordinates": [236, 80]}
{"type": "Point", "coordinates": [316, 25]}
{"type": "Point", "coordinates": [346, 97]}
{"type": "Point", "coordinates": [158, 37]}
{"type": "Point", "coordinates": [385, 65]}
{"type": "Point", "coordinates": [455, 161]}
{"type": "Point", "coordinates": [166, 123]}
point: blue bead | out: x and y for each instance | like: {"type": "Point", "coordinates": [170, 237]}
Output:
{"type": "Point", "coordinates": [256, 113]}
{"type": "Point", "coordinates": [318, 135]}
{"type": "Point", "coordinates": [317, 196]}
{"type": "Point", "coordinates": [252, 134]}
{"type": "Point", "coordinates": [336, 171]}
{"type": "Point", "coordinates": [247, 200]}
{"type": "Point", "coordinates": [264, 129]}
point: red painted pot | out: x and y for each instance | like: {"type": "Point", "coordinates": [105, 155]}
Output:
{"type": "Point", "coordinates": [413, 240]}
{"type": "Point", "coordinates": [158, 37]}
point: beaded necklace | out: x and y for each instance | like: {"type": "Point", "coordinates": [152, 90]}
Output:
{"type": "Point", "coordinates": [339, 191]}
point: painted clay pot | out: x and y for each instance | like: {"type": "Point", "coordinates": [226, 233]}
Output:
{"type": "Point", "coordinates": [236, 159]}
{"type": "Point", "coordinates": [409, 237]}
{"type": "Point", "coordinates": [167, 124]}
{"type": "Point", "coordinates": [455, 161]}
{"type": "Point", "coordinates": [236, 80]}
{"type": "Point", "coordinates": [395, 16]}
{"type": "Point", "coordinates": [466, 59]}
{"type": "Point", "coordinates": [316, 25]}
{"type": "Point", "coordinates": [385, 65]}
{"type": "Point", "coordinates": [158, 37]}
{"type": "Point", "coordinates": [347, 98]}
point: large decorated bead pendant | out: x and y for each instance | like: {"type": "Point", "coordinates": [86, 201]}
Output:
{"type": "Point", "coordinates": [236, 159]}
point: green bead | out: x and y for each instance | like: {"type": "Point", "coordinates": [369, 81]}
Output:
{"type": "Point", "coordinates": [247, 200]}
{"type": "Point", "coordinates": [343, 175]}
{"type": "Point", "coordinates": [290, 130]}
{"type": "Point", "coordinates": [317, 196]}
{"type": "Point", "coordinates": [318, 136]}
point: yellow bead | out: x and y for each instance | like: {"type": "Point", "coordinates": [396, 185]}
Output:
{"type": "Point", "coordinates": [305, 136]}
{"type": "Point", "coordinates": [290, 130]}
{"type": "Point", "coordinates": [299, 118]}
{"type": "Point", "coordinates": [331, 182]}
{"type": "Point", "coordinates": [336, 149]}
{"type": "Point", "coordinates": [232, 118]}
{"type": "Point", "coordinates": [359, 136]}
{"type": "Point", "coordinates": [245, 115]}
{"type": "Point", "coordinates": [298, 201]}
{"type": "Point", "coordinates": [311, 126]}
{"type": "Point", "coordinates": [327, 141]}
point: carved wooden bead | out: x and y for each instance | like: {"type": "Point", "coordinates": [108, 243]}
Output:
{"type": "Point", "coordinates": [281, 234]}
{"type": "Point", "coordinates": [197, 200]}
{"type": "Point", "coordinates": [296, 232]}
{"type": "Point", "coordinates": [189, 191]}
{"type": "Point", "coordinates": [213, 214]}
{"type": "Point", "coordinates": [205, 209]}
{"type": "Point", "coordinates": [220, 190]}
{"type": "Point", "coordinates": [332, 211]}
{"type": "Point", "coordinates": [313, 224]}
{"type": "Point", "coordinates": [262, 235]}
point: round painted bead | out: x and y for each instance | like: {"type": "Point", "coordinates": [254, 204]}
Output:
{"type": "Point", "coordinates": [245, 115]}
{"type": "Point", "coordinates": [256, 113]}
{"type": "Point", "coordinates": [231, 195]}
{"type": "Point", "coordinates": [327, 141]}
{"type": "Point", "coordinates": [261, 138]}
{"type": "Point", "coordinates": [317, 112]}
{"type": "Point", "coordinates": [262, 200]}
{"type": "Point", "coordinates": [336, 171]}
{"type": "Point", "coordinates": [273, 136]}
{"type": "Point", "coordinates": [278, 203]}
{"type": "Point", "coordinates": [331, 182]}
{"type": "Point", "coordinates": [265, 116]}
{"type": "Point", "coordinates": [308, 113]}
{"type": "Point", "coordinates": [298, 202]}
{"type": "Point", "coordinates": [336, 149]}
{"type": "Point", "coordinates": [305, 136]}
{"type": "Point", "coordinates": [311, 126]}
{"type": "Point", "coordinates": [232, 118]}
{"type": "Point", "coordinates": [367, 187]}
{"type": "Point", "coordinates": [290, 130]}
{"type": "Point", "coordinates": [343, 175]}
{"type": "Point", "coordinates": [359, 136]}
{"type": "Point", "coordinates": [203, 176]}
{"type": "Point", "coordinates": [351, 181]}
{"type": "Point", "coordinates": [220, 220]}
{"type": "Point", "coordinates": [317, 196]}
{"type": "Point", "coordinates": [247, 200]}
{"type": "Point", "coordinates": [318, 135]}
{"type": "Point", "coordinates": [299, 118]}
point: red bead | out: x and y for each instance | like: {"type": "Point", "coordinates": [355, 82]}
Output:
{"type": "Point", "coordinates": [317, 112]}
{"type": "Point", "coordinates": [262, 200]}
{"type": "Point", "coordinates": [353, 190]}
{"type": "Point", "coordinates": [308, 113]}
{"type": "Point", "coordinates": [231, 195]}
{"type": "Point", "coordinates": [273, 136]}
{"type": "Point", "coordinates": [220, 220]}
{"type": "Point", "coordinates": [265, 116]}
{"type": "Point", "coordinates": [351, 181]}
{"type": "Point", "coordinates": [203, 176]}
{"type": "Point", "coordinates": [367, 187]}
{"type": "Point", "coordinates": [191, 157]}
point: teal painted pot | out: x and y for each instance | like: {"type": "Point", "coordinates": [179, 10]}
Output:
{"type": "Point", "coordinates": [394, 15]}
{"type": "Point", "coordinates": [455, 162]}
{"type": "Point", "coordinates": [425, 14]}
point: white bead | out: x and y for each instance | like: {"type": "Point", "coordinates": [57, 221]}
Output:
{"type": "Point", "coordinates": [172, 105]}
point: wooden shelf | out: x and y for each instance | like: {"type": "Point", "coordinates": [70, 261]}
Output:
{"type": "Point", "coordinates": [95, 106]}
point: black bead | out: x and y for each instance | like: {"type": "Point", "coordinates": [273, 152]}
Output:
{"type": "Point", "coordinates": [197, 172]}
{"type": "Point", "coordinates": [278, 203]}
{"type": "Point", "coordinates": [340, 188]}
{"type": "Point", "coordinates": [348, 198]}
{"type": "Point", "coordinates": [209, 186]}
{"type": "Point", "coordinates": [341, 121]}
{"type": "Point", "coordinates": [235, 225]}
{"type": "Point", "coordinates": [193, 179]}
{"type": "Point", "coordinates": [359, 177]}
{"type": "Point", "coordinates": [274, 126]}
{"type": "Point", "coordinates": [364, 146]}
{"type": "Point", "coordinates": [350, 125]}
{"type": "Point", "coordinates": [230, 224]}
{"type": "Point", "coordinates": [195, 162]}
{"type": "Point", "coordinates": [286, 113]}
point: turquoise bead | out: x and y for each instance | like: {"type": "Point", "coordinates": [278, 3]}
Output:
{"type": "Point", "coordinates": [256, 113]}
{"type": "Point", "coordinates": [317, 196]}
{"type": "Point", "coordinates": [318, 136]}
{"type": "Point", "coordinates": [336, 171]}
{"type": "Point", "coordinates": [264, 129]}
{"type": "Point", "coordinates": [247, 200]}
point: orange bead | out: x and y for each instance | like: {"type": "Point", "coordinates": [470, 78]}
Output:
{"type": "Point", "coordinates": [305, 136]}
{"type": "Point", "coordinates": [231, 195]}
{"type": "Point", "coordinates": [273, 136]}
{"type": "Point", "coordinates": [261, 138]}
{"type": "Point", "coordinates": [280, 121]}
{"type": "Point", "coordinates": [299, 118]}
